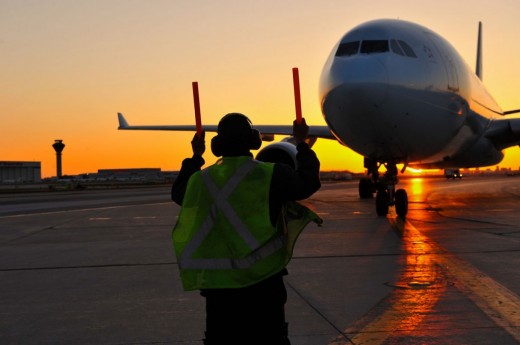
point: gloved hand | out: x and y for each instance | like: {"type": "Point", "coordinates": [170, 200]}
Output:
{"type": "Point", "coordinates": [300, 131]}
{"type": "Point", "coordinates": [198, 145]}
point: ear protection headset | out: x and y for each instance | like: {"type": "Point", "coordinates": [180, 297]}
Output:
{"type": "Point", "coordinates": [235, 133]}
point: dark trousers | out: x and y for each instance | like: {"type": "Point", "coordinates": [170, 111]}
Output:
{"type": "Point", "coordinates": [251, 315]}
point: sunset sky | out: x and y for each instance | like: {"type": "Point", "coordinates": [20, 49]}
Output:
{"type": "Point", "coordinates": [67, 67]}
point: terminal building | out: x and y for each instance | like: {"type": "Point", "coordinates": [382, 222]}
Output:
{"type": "Point", "coordinates": [20, 172]}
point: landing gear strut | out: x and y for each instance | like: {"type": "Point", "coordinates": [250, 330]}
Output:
{"type": "Point", "coordinates": [384, 187]}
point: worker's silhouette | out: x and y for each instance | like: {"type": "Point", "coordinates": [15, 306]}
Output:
{"type": "Point", "coordinates": [236, 230]}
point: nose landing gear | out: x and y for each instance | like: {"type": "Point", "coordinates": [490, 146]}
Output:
{"type": "Point", "coordinates": [386, 194]}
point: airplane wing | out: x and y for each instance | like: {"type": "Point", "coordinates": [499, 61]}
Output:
{"type": "Point", "coordinates": [504, 132]}
{"type": "Point", "coordinates": [314, 131]}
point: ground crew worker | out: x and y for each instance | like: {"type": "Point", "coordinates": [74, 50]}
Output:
{"type": "Point", "coordinates": [232, 240]}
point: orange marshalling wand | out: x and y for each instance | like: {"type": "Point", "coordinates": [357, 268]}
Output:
{"type": "Point", "coordinates": [297, 98]}
{"type": "Point", "coordinates": [198, 122]}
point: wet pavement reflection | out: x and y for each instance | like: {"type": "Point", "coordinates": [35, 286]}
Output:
{"type": "Point", "coordinates": [438, 298]}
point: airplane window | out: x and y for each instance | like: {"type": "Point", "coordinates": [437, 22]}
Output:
{"type": "Point", "coordinates": [347, 49]}
{"type": "Point", "coordinates": [395, 47]}
{"type": "Point", "coordinates": [407, 49]}
{"type": "Point", "coordinates": [374, 46]}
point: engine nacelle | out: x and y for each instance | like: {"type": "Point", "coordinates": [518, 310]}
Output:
{"type": "Point", "coordinates": [280, 152]}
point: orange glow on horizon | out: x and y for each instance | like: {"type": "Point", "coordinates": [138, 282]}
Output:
{"type": "Point", "coordinates": [69, 67]}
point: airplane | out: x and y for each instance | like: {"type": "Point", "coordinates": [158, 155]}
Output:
{"type": "Point", "coordinates": [398, 93]}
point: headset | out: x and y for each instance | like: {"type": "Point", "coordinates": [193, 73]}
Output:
{"type": "Point", "coordinates": [235, 131]}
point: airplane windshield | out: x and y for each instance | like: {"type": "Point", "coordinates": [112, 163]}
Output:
{"type": "Point", "coordinates": [395, 48]}
{"type": "Point", "coordinates": [374, 46]}
{"type": "Point", "coordinates": [407, 49]}
{"type": "Point", "coordinates": [347, 49]}
{"type": "Point", "coordinates": [402, 48]}
{"type": "Point", "coordinates": [398, 47]}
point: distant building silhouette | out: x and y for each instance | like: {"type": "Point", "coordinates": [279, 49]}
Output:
{"type": "Point", "coordinates": [20, 172]}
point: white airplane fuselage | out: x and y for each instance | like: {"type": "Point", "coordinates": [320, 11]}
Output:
{"type": "Point", "coordinates": [395, 91]}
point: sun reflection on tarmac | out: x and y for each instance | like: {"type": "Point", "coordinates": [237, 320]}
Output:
{"type": "Point", "coordinates": [416, 186]}
{"type": "Point", "coordinates": [421, 283]}
{"type": "Point", "coordinates": [418, 288]}
{"type": "Point", "coordinates": [413, 313]}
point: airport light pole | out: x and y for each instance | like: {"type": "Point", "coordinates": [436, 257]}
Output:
{"type": "Point", "coordinates": [58, 147]}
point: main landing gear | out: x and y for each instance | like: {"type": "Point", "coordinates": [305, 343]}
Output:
{"type": "Point", "coordinates": [384, 187]}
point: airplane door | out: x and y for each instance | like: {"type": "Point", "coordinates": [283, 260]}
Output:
{"type": "Point", "coordinates": [447, 61]}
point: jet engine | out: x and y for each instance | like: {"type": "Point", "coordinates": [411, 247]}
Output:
{"type": "Point", "coordinates": [279, 152]}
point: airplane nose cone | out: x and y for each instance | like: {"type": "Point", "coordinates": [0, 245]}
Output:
{"type": "Point", "coordinates": [359, 84]}
{"type": "Point", "coordinates": [352, 94]}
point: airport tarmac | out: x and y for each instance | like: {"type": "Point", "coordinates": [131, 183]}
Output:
{"type": "Point", "coordinates": [97, 267]}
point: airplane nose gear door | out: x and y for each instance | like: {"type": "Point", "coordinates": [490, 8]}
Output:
{"type": "Point", "coordinates": [386, 194]}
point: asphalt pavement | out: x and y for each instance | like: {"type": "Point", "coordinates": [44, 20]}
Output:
{"type": "Point", "coordinates": [97, 267]}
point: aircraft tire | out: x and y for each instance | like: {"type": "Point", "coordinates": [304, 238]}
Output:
{"type": "Point", "coordinates": [401, 203]}
{"type": "Point", "coordinates": [382, 203]}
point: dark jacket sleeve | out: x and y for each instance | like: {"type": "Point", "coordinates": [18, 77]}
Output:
{"type": "Point", "coordinates": [290, 184]}
{"type": "Point", "coordinates": [188, 168]}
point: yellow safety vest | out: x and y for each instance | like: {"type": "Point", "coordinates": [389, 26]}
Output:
{"type": "Point", "coordinates": [223, 237]}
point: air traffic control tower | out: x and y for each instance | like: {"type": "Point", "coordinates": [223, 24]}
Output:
{"type": "Point", "coordinates": [58, 147]}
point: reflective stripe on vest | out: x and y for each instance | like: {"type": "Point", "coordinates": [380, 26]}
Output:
{"type": "Point", "coordinates": [220, 203]}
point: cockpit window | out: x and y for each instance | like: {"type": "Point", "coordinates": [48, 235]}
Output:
{"type": "Point", "coordinates": [407, 49]}
{"type": "Point", "coordinates": [347, 49]}
{"type": "Point", "coordinates": [395, 47]}
{"type": "Point", "coordinates": [374, 46]}
{"type": "Point", "coordinates": [399, 47]}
